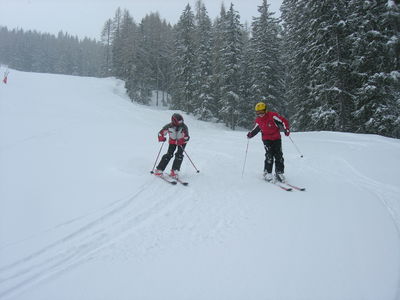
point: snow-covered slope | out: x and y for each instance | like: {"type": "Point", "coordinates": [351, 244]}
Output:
{"type": "Point", "coordinates": [82, 218]}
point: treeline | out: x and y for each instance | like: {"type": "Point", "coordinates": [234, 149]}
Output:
{"type": "Point", "coordinates": [327, 65]}
{"type": "Point", "coordinates": [46, 53]}
{"type": "Point", "coordinates": [216, 70]}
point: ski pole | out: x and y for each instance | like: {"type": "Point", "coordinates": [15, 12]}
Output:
{"type": "Point", "coordinates": [152, 170]}
{"type": "Point", "coordinates": [301, 155]}
{"type": "Point", "coordinates": [198, 171]}
{"type": "Point", "coordinates": [245, 157]}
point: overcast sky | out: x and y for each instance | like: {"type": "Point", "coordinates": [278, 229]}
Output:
{"type": "Point", "coordinates": [87, 17]}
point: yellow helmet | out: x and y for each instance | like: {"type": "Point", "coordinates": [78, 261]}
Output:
{"type": "Point", "coordinates": [260, 106]}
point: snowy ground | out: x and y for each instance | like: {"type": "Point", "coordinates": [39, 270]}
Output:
{"type": "Point", "coordinates": [82, 218]}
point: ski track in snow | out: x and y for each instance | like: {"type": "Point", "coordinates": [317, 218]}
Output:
{"type": "Point", "coordinates": [387, 194]}
{"type": "Point", "coordinates": [81, 245]}
{"type": "Point", "coordinates": [103, 229]}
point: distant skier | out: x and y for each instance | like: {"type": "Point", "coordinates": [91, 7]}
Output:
{"type": "Point", "coordinates": [178, 137]}
{"type": "Point", "coordinates": [5, 77]}
{"type": "Point", "coordinates": [269, 124]}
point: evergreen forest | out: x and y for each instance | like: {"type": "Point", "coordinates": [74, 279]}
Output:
{"type": "Point", "coordinates": [325, 65]}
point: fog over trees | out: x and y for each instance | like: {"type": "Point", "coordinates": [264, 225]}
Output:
{"type": "Point", "coordinates": [330, 65]}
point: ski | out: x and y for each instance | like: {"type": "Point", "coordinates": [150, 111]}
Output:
{"type": "Point", "coordinates": [278, 184]}
{"type": "Point", "coordinates": [173, 182]}
{"type": "Point", "coordinates": [166, 179]}
{"type": "Point", "coordinates": [295, 187]}
{"type": "Point", "coordinates": [185, 183]}
{"type": "Point", "coordinates": [179, 180]}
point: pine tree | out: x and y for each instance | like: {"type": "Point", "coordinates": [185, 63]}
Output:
{"type": "Point", "coordinates": [166, 61]}
{"type": "Point", "coordinates": [246, 104]}
{"type": "Point", "coordinates": [106, 39]}
{"type": "Point", "coordinates": [376, 48]}
{"type": "Point", "coordinates": [296, 23]}
{"type": "Point", "coordinates": [218, 31]}
{"type": "Point", "coordinates": [117, 49]}
{"type": "Point", "coordinates": [232, 50]}
{"type": "Point", "coordinates": [344, 67]}
{"type": "Point", "coordinates": [185, 62]}
{"type": "Point", "coordinates": [268, 71]}
{"type": "Point", "coordinates": [320, 63]}
{"type": "Point", "coordinates": [203, 97]}
{"type": "Point", "coordinates": [331, 79]}
{"type": "Point", "coordinates": [148, 59]}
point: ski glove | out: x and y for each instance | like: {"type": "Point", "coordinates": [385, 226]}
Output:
{"type": "Point", "coordinates": [249, 135]}
{"type": "Point", "coordinates": [287, 132]}
{"type": "Point", "coordinates": [161, 138]}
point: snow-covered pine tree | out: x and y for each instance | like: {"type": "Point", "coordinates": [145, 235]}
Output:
{"type": "Point", "coordinates": [331, 66]}
{"type": "Point", "coordinates": [148, 64]}
{"type": "Point", "coordinates": [217, 63]}
{"type": "Point", "coordinates": [268, 71]}
{"type": "Point", "coordinates": [153, 63]}
{"type": "Point", "coordinates": [138, 81]}
{"type": "Point", "coordinates": [106, 39]}
{"type": "Point", "coordinates": [343, 64]}
{"type": "Point", "coordinates": [117, 44]}
{"type": "Point", "coordinates": [319, 63]}
{"type": "Point", "coordinates": [166, 61]}
{"type": "Point", "coordinates": [296, 24]}
{"type": "Point", "coordinates": [232, 50]}
{"type": "Point", "coordinates": [185, 62]}
{"type": "Point", "coordinates": [127, 38]}
{"type": "Point", "coordinates": [204, 100]}
{"type": "Point", "coordinates": [376, 50]}
{"type": "Point", "coordinates": [246, 103]}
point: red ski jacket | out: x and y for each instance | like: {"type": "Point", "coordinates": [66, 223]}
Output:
{"type": "Point", "coordinates": [269, 124]}
{"type": "Point", "coordinates": [177, 135]}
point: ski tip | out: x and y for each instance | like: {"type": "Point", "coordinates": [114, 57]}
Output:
{"type": "Point", "coordinates": [198, 171]}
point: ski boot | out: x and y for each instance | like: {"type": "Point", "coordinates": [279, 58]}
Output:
{"type": "Point", "coordinates": [158, 172]}
{"type": "Point", "coordinates": [268, 176]}
{"type": "Point", "coordinates": [174, 174]}
{"type": "Point", "coordinates": [280, 177]}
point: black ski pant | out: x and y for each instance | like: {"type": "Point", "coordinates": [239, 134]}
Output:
{"type": "Point", "coordinates": [167, 157]}
{"type": "Point", "coordinates": [273, 151]}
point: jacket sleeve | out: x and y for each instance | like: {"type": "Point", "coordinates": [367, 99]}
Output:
{"type": "Point", "coordinates": [256, 129]}
{"type": "Point", "coordinates": [163, 130]}
{"type": "Point", "coordinates": [281, 122]}
{"type": "Point", "coordinates": [186, 132]}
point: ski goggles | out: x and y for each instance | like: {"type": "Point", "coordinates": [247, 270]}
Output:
{"type": "Point", "coordinates": [260, 112]}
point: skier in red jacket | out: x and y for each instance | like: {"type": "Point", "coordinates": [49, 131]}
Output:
{"type": "Point", "coordinates": [269, 124]}
{"type": "Point", "coordinates": [178, 137]}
